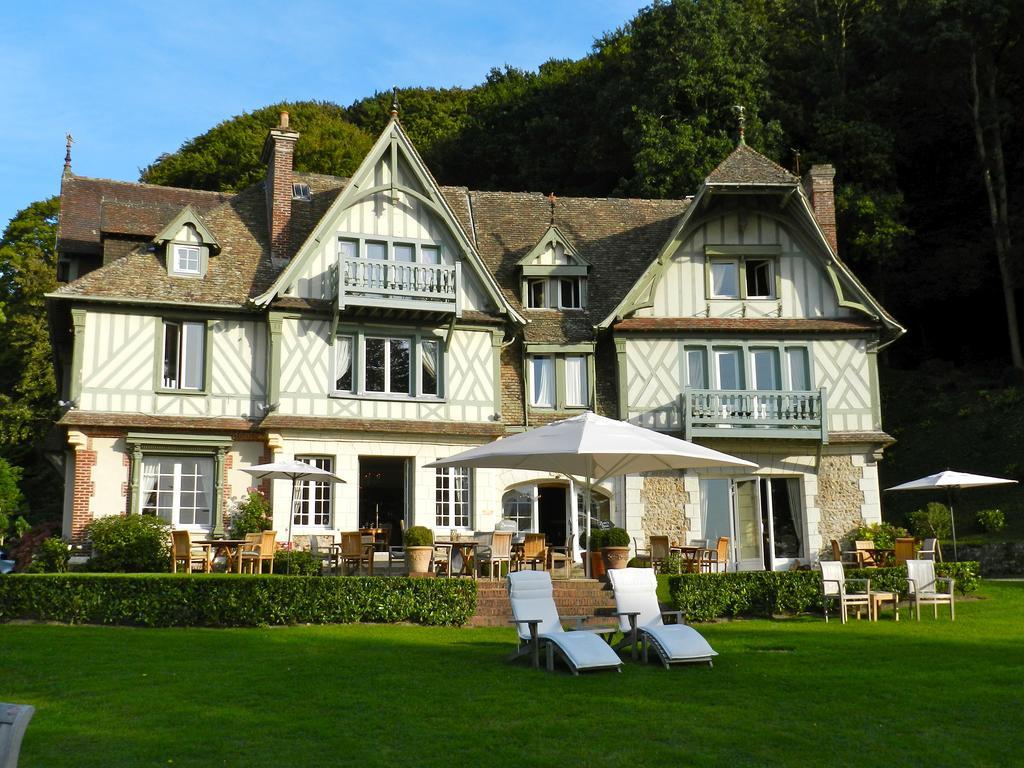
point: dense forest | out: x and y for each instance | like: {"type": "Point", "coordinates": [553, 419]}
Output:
{"type": "Point", "coordinates": [918, 104]}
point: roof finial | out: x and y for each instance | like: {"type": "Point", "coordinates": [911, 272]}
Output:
{"type": "Point", "coordinates": [551, 199]}
{"type": "Point", "coordinates": [796, 159]}
{"type": "Point", "coordinates": [394, 102]}
{"type": "Point", "coordinates": [67, 153]}
{"type": "Point", "coordinates": [742, 120]}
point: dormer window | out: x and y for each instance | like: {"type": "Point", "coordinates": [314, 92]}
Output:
{"type": "Point", "coordinates": [188, 244]}
{"type": "Point", "coordinates": [301, 192]}
{"type": "Point", "coordinates": [746, 272]}
{"type": "Point", "coordinates": [186, 259]}
{"type": "Point", "coordinates": [554, 275]}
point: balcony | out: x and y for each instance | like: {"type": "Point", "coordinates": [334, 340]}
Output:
{"type": "Point", "coordinates": [400, 285]}
{"type": "Point", "coordinates": [749, 413]}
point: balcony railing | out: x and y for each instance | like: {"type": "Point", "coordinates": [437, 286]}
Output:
{"type": "Point", "coordinates": [752, 413]}
{"type": "Point", "coordinates": [376, 283]}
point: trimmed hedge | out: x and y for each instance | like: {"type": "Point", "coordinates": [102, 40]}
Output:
{"type": "Point", "coordinates": [706, 596]}
{"type": "Point", "coordinates": [231, 600]}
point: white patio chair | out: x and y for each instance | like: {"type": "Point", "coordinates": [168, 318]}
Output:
{"type": "Point", "coordinates": [642, 626]}
{"type": "Point", "coordinates": [14, 720]}
{"type": "Point", "coordinates": [833, 588]}
{"type": "Point", "coordinates": [929, 550]}
{"type": "Point", "coordinates": [539, 626]}
{"type": "Point", "coordinates": [923, 583]}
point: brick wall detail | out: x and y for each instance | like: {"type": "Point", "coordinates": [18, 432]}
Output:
{"type": "Point", "coordinates": [85, 460]}
{"type": "Point", "coordinates": [819, 184]}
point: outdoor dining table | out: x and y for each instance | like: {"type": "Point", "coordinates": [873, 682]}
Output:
{"type": "Point", "coordinates": [880, 556]}
{"type": "Point", "coordinates": [691, 556]}
{"type": "Point", "coordinates": [379, 536]}
{"type": "Point", "coordinates": [465, 551]}
{"type": "Point", "coordinates": [230, 548]}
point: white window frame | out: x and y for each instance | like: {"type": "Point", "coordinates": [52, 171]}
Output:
{"type": "Point", "coordinates": [583, 396]}
{"type": "Point", "coordinates": [314, 507]}
{"type": "Point", "coordinates": [577, 291]}
{"type": "Point", "coordinates": [184, 255]}
{"type": "Point", "coordinates": [177, 475]}
{"type": "Point", "coordinates": [358, 358]}
{"type": "Point", "coordinates": [735, 263]}
{"type": "Point", "coordinates": [388, 341]}
{"type": "Point", "coordinates": [740, 263]}
{"type": "Point", "coordinates": [785, 355]}
{"type": "Point", "coordinates": [421, 247]}
{"type": "Point", "coordinates": [183, 352]}
{"type": "Point", "coordinates": [535, 361]}
{"type": "Point", "coordinates": [771, 277]}
{"type": "Point", "coordinates": [453, 498]}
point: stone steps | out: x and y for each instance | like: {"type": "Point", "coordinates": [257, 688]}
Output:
{"type": "Point", "coordinates": [578, 597]}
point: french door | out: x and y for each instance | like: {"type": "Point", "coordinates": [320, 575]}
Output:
{"type": "Point", "coordinates": [762, 517]}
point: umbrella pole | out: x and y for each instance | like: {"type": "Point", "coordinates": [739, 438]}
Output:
{"type": "Point", "coordinates": [586, 511]}
{"type": "Point", "coordinates": [291, 513]}
{"type": "Point", "coordinates": [952, 523]}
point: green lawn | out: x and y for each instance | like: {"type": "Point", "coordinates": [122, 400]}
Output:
{"type": "Point", "coordinates": [790, 692]}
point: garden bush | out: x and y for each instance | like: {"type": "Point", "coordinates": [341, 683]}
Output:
{"type": "Point", "coordinates": [616, 537]}
{"type": "Point", "coordinates": [231, 600]}
{"type": "Point", "coordinates": [129, 544]}
{"type": "Point", "coordinates": [419, 536]}
{"type": "Point", "coordinates": [991, 520]}
{"type": "Point", "coordinates": [52, 556]}
{"type": "Point", "coordinates": [251, 516]}
{"type": "Point", "coordinates": [883, 534]}
{"type": "Point", "coordinates": [296, 562]}
{"type": "Point", "coordinates": [706, 596]}
{"type": "Point", "coordinates": [932, 522]}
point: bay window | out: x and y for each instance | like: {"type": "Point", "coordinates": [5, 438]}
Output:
{"type": "Point", "coordinates": [178, 489]}
{"type": "Point", "coordinates": [388, 365]}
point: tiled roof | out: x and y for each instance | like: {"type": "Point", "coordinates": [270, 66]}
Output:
{"type": "Point", "coordinates": [619, 237]}
{"type": "Point", "coordinates": [747, 166]}
{"type": "Point", "coordinates": [87, 207]}
{"type": "Point", "coordinates": [773, 325]}
{"type": "Point", "coordinates": [146, 421]}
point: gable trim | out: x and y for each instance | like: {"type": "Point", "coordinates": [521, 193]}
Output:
{"type": "Point", "coordinates": [188, 215]}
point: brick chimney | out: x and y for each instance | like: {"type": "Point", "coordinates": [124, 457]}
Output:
{"type": "Point", "coordinates": [818, 183]}
{"type": "Point", "coordinates": [279, 155]}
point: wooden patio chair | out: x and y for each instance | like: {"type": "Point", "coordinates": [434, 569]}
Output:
{"type": "Point", "coordinates": [833, 588]}
{"type": "Point", "coordinates": [642, 553]}
{"type": "Point", "coordinates": [188, 554]}
{"type": "Point", "coordinates": [848, 558]}
{"type": "Point", "coordinates": [716, 559]}
{"type": "Point", "coordinates": [561, 557]}
{"type": "Point", "coordinates": [903, 550]}
{"type": "Point", "coordinates": [659, 549]}
{"type": "Point", "coordinates": [499, 551]}
{"type": "Point", "coordinates": [354, 552]}
{"type": "Point", "coordinates": [259, 550]}
{"type": "Point", "coordinates": [442, 560]}
{"type": "Point", "coordinates": [923, 587]}
{"type": "Point", "coordinates": [14, 719]}
{"type": "Point", "coordinates": [864, 556]}
{"type": "Point", "coordinates": [322, 548]}
{"type": "Point", "coordinates": [534, 551]}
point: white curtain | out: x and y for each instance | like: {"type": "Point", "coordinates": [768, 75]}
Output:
{"type": "Point", "coordinates": [192, 354]}
{"type": "Point", "coordinates": [796, 507]}
{"type": "Point", "coordinates": [576, 389]}
{"type": "Point", "coordinates": [343, 352]}
{"type": "Point", "coordinates": [543, 381]}
{"type": "Point", "coordinates": [428, 354]}
{"type": "Point", "coordinates": [150, 469]}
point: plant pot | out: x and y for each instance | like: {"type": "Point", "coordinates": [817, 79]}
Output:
{"type": "Point", "coordinates": [615, 557]}
{"type": "Point", "coordinates": [418, 559]}
{"type": "Point", "coordinates": [596, 565]}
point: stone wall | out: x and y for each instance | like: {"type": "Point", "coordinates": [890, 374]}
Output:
{"type": "Point", "coordinates": [840, 497]}
{"type": "Point", "coordinates": [1000, 559]}
{"type": "Point", "coordinates": [664, 498]}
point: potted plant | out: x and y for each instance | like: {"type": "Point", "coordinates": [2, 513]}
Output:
{"type": "Point", "coordinates": [419, 548]}
{"type": "Point", "coordinates": [616, 548]}
{"type": "Point", "coordinates": [597, 540]}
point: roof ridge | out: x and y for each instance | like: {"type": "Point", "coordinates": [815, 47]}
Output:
{"type": "Point", "coordinates": [145, 185]}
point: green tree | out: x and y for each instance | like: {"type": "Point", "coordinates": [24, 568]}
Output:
{"type": "Point", "coordinates": [227, 157]}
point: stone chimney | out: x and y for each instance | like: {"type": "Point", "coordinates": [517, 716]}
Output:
{"type": "Point", "coordinates": [279, 155]}
{"type": "Point", "coordinates": [818, 183]}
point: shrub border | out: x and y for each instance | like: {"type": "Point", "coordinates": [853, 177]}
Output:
{"type": "Point", "coordinates": [232, 600]}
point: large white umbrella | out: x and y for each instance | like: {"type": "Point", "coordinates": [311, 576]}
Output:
{"type": "Point", "coordinates": [950, 479]}
{"type": "Point", "coordinates": [296, 471]}
{"type": "Point", "coordinates": [594, 448]}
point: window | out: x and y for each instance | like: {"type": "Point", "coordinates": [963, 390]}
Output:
{"type": "Point", "coordinates": [555, 293]}
{"type": "Point", "coordinates": [313, 508]}
{"type": "Point", "coordinates": [184, 355]}
{"type": "Point", "coordinates": [343, 363]}
{"type": "Point", "coordinates": [725, 281]}
{"type": "Point", "coordinates": [517, 505]}
{"type": "Point", "coordinates": [697, 368]}
{"type": "Point", "coordinates": [403, 251]}
{"type": "Point", "coordinates": [186, 260]}
{"type": "Point", "coordinates": [743, 367]}
{"type": "Point", "coordinates": [764, 367]}
{"type": "Point", "coordinates": [178, 489]}
{"type": "Point", "coordinates": [799, 369]}
{"type": "Point", "coordinates": [569, 294]}
{"type": "Point", "coordinates": [430, 350]}
{"type": "Point", "coordinates": [728, 368]}
{"type": "Point", "coordinates": [577, 389]}
{"type": "Point", "coordinates": [301, 191]}
{"type": "Point", "coordinates": [542, 381]}
{"type": "Point", "coordinates": [536, 292]}
{"type": "Point", "coordinates": [760, 282]}
{"type": "Point", "coordinates": [743, 276]}
{"type": "Point", "coordinates": [453, 497]}
{"type": "Point", "coordinates": [387, 365]}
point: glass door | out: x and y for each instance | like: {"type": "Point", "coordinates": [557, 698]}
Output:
{"type": "Point", "coordinates": [747, 525]}
{"type": "Point", "coordinates": [781, 521]}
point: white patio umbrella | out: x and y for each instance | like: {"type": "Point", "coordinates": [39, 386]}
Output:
{"type": "Point", "coordinates": [594, 448]}
{"type": "Point", "coordinates": [950, 479]}
{"type": "Point", "coordinates": [296, 471]}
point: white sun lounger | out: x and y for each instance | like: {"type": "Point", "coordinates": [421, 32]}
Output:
{"type": "Point", "coordinates": [640, 620]}
{"type": "Point", "coordinates": [539, 626]}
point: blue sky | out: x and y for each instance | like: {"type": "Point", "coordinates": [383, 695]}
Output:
{"type": "Point", "coordinates": [132, 80]}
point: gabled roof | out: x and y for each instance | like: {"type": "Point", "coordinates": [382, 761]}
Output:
{"type": "Point", "coordinates": [188, 215]}
{"type": "Point", "coordinates": [748, 166]}
{"type": "Point", "coordinates": [549, 239]}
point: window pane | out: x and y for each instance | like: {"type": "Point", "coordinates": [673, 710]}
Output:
{"type": "Point", "coordinates": [399, 365]}
{"type": "Point", "coordinates": [376, 250]}
{"type": "Point", "coordinates": [570, 292]}
{"type": "Point", "coordinates": [186, 259]}
{"type": "Point", "coordinates": [453, 498]}
{"type": "Point", "coordinates": [696, 368]}
{"type": "Point", "coordinates": [577, 391]}
{"type": "Point", "coordinates": [374, 365]}
{"type": "Point", "coordinates": [725, 281]}
{"type": "Point", "coordinates": [542, 389]}
{"type": "Point", "coordinates": [537, 293]}
{"type": "Point", "coordinates": [314, 499]}
{"type": "Point", "coordinates": [192, 355]}
{"type": "Point", "coordinates": [172, 341]}
{"type": "Point", "coordinates": [178, 489]}
{"type": "Point", "coordinates": [765, 365]}
{"type": "Point", "coordinates": [799, 369]}
{"type": "Point", "coordinates": [518, 506]}
{"type": "Point", "coordinates": [729, 375]}
{"type": "Point", "coordinates": [349, 249]}
{"type": "Point", "coordinates": [759, 279]}
{"type": "Point", "coordinates": [343, 363]}
{"type": "Point", "coordinates": [405, 253]}
{"type": "Point", "coordinates": [428, 366]}
{"type": "Point", "coordinates": [430, 254]}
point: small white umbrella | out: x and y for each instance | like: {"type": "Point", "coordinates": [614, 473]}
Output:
{"type": "Point", "coordinates": [950, 479]}
{"type": "Point", "coordinates": [296, 471]}
{"type": "Point", "coordinates": [592, 447]}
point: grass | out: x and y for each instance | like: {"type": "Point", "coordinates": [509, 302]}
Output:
{"type": "Point", "coordinates": [788, 692]}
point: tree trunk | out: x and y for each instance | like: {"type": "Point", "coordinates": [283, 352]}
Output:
{"type": "Point", "coordinates": [993, 173]}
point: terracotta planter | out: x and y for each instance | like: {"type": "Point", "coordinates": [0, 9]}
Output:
{"type": "Point", "coordinates": [418, 559]}
{"type": "Point", "coordinates": [596, 565]}
{"type": "Point", "coordinates": [615, 557]}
